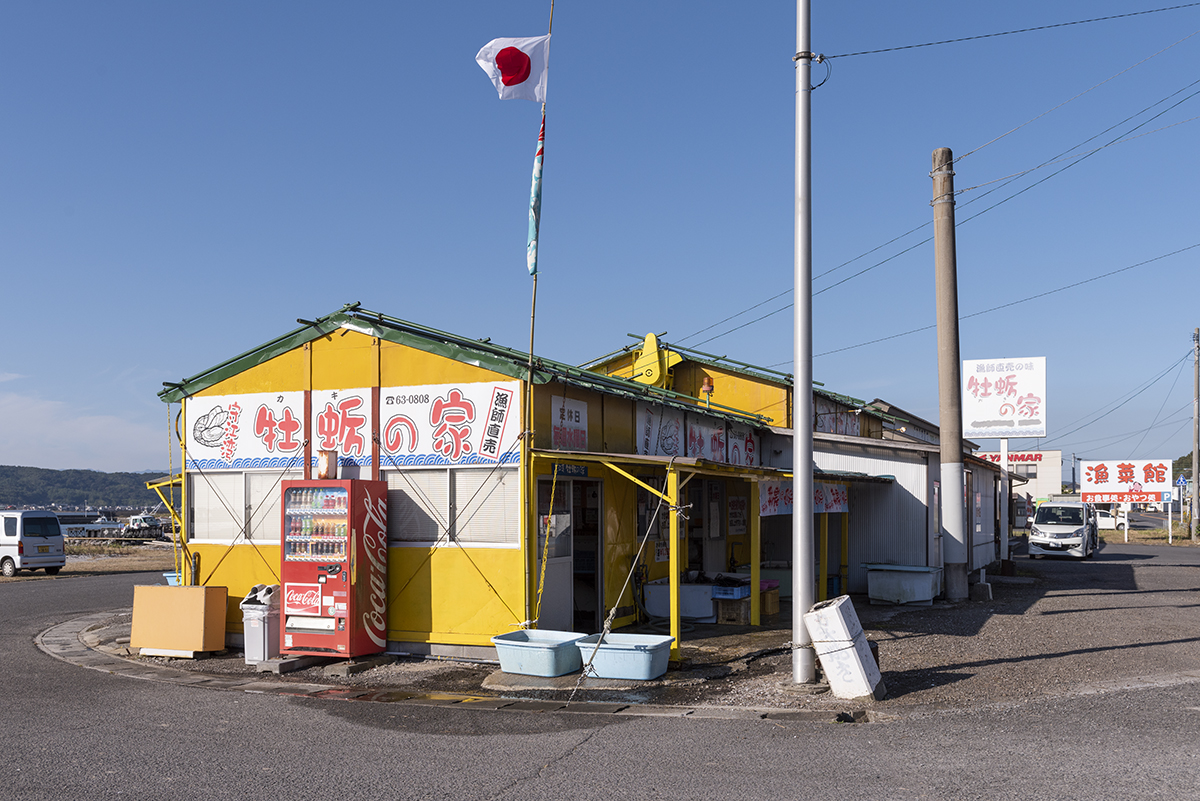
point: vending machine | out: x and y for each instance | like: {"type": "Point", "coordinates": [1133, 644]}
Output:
{"type": "Point", "coordinates": [334, 568]}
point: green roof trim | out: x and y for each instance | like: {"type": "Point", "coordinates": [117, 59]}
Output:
{"type": "Point", "coordinates": [480, 353]}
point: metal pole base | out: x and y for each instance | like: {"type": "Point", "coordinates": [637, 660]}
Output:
{"type": "Point", "coordinates": [956, 582]}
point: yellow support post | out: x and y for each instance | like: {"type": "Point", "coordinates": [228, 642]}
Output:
{"type": "Point", "coordinates": [845, 571]}
{"type": "Point", "coordinates": [823, 569]}
{"type": "Point", "coordinates": [185, 532]}
{"type": "Point", "coordinates": [673, 502]}
{"type": "Point", "coordinates": [755, 557]}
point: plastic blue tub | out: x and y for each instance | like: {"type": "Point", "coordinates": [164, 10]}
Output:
{"type": "Point", "coordinates": [627, 656]}
{"type": "Point", "coordinates": [172, 579]}
{"type": "Point", "coordinates": [538, 652]}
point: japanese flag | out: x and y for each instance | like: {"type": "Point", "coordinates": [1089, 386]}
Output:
{"type": "Point", "coordinates": [517, 67]}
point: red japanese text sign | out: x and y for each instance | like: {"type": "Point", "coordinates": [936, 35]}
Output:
{"type": "Point", "coordinates": [1003, 398]}
{"type": "Point", "coordinates": [1125, 480]}
{"type": "Point", "coordinates": [259, 430]}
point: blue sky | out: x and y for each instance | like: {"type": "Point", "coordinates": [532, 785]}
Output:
{"type": "Point", "coordinates": [181, 181]}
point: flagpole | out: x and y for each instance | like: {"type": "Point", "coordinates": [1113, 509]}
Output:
{"type": "Point", "coordinates": [531, 259]}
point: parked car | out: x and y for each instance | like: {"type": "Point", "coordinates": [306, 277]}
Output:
{"type": "Point", "coordinates": [30, 539]}
{"type": "Point", "coordinates": [1110, 522]}
{"type": "Point", "coordinates": [1064, 529]}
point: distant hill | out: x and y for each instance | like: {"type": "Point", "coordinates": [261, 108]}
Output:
{"type": "Point", "coordinates": [36, 486]}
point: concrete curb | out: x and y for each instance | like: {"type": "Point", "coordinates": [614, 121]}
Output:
{"type": "Point", "coordinates": [69, 642]}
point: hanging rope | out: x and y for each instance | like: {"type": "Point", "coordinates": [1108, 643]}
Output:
{"type": "Point", "coordinates": [537, 605]}
{"type": "Point", "coordinates": [676, 509]}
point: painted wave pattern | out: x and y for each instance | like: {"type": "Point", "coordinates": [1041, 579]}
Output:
{"type": "Point", "coordinates": [244, 464]}
{"type": "Point", "coordinates": [427, 459]}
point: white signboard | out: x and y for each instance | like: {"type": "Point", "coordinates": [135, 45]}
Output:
{"type": "Point", "coordinates": [743, 446]}
{"type": "Point", "coordinates": [1125, 481]}
{"type": "Point", "coordinates": [659, 430]}
{"type": "Point", "coordinates": [1004, 398]}
{"type": "Point", "coordinates": [739, 506]}
{"type": "Point", "coordinates": [236, 432]}
{"type": "Point", "coordinates": [442, 424]}
{"type": "Point", "coordinates": [569, 424]}
{"type": "Point", "coordinates": [705, 438]}
{"type": "Point", "coordinates": [449, 424]}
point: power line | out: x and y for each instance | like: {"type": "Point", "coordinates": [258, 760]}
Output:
{"type": "Point", "coordinates": [1013, 303]}
{"type": "Point", "coordinates": [1076, 97]}
{"type": "Point", "coordinates": [1160, 408]}
{"type": "Point", "coordinates": [974, 216]}
{"type": "Point", "coordinates": [1115, 438]}
{"type": "Point", "coordinates": [1015, 175]}
{"type": "Point", "coordinates": [1119, 405]}
{"type": "Point", "coordinates": [1009, 33]}
{"type": "Point", "coordinates": [998, 138]}
{"type": "Point", "coordinates": [1163, 444]}
{"type": "Point", "coordinates": [732, 316]}
{"type": "Point", "coordinates": [1007, 180]}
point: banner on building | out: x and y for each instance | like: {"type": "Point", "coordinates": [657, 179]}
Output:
{"type": "Point", "coordinates": [432, 424]}
{"type": "Point", "coordinates": [660, 430]}
{"type": "Point", "coordinates": [255, 431]}
{"type": "Point", "coordinates": [568, 431]}
{"type": "Point", "coordinates": [775, 498]}
{"type": "Point", "coordinates": [743, 446]}
{"type": "Point", "coordinates": [705, 438]}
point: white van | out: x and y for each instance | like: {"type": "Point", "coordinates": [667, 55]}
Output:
{"type": "Point", "coordinates": [30, 539]}
{"type": "Point", "coordinates": [1063, 529]}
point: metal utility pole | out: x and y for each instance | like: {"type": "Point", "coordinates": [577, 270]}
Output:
{"type": "Point", "coordinates": [954, 541]}
{"type": "Point", "coordinates": [804, 661]}
{"type": "Point", "coordinates": [1195, 426]}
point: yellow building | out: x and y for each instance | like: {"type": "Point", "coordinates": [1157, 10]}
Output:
{"type": "Point", "coordinates": [521, 492]}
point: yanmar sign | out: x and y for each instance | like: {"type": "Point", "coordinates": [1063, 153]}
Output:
{"type": "Point", "coordinates": [1026, 456]}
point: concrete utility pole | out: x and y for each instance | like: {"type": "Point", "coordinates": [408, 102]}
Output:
{"type": "Point", "coordinates": [1195, 426]}
{"type": "Point", "coordinates": [954, 537]}
{"type": "Point", "coordinates": [804, 659]}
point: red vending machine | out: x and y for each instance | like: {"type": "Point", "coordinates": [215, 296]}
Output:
{"type": "Point", "coordinates": [334, 568]}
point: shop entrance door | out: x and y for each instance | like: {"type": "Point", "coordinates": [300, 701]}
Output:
{"type": "Point", "coordinates": [556, 576]}
{"type": "Point", "coordinates": [587, 545]}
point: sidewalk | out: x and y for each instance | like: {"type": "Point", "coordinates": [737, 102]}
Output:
{"type": "Point", "coordinates": [1061, 629]}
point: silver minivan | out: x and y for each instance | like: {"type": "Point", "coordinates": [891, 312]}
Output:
{"type": "Point", "coordinates": [1064, 529]}
{"type": "Point", "coordinates": [30, 539]}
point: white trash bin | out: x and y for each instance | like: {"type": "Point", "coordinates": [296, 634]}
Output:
{"type": "Point", "coordinates": [260, 623]}
{"type": "Point", "coordinates": [842, 647]}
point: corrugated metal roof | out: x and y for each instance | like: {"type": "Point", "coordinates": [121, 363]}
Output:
{"type": "Point", "coordinates": [482, 353]}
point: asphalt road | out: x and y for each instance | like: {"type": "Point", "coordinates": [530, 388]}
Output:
{"type": "Point", "coordinates": [71, 732]}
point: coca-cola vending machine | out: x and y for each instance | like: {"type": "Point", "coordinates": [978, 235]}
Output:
{"type": "Point", "coordinates": [334, 568]}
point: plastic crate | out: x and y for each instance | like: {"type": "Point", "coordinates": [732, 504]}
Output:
{"type": "Point", "coordinates": [627, 656]}
{"type": "Point", "coordinates": [741, 591]}
{"type": "Point", "coordinates": [538, 652]}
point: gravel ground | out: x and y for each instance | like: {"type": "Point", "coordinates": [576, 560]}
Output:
{"type": "Point", "coordinates": [1063, 627]}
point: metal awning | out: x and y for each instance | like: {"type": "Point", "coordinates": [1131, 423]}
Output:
{"type": "Point", "coordinates": [684, 463]}
{"type": "Point", "coordinates": [851, 477]}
